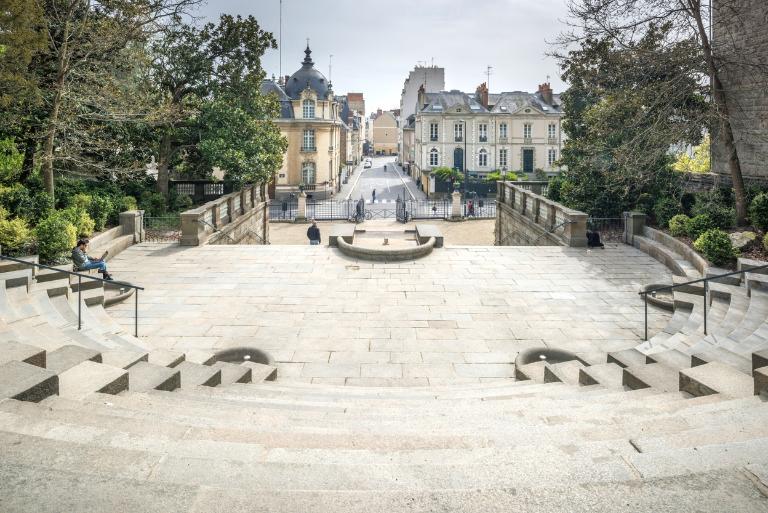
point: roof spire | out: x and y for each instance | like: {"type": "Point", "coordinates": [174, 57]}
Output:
{"type": "Point", "coordinates": [308, 56]}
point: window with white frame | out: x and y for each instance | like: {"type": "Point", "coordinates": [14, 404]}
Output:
{"type": "Point", "coordinates": [552, 131]}
{"type": "Point", "coordinates": [503, 130]}
{"type": "Point", "coordinates": [458, 131]}
{"type": "Point", "coordinates": [552, 156]}
{"type": "Point", "coordinates": [433, 133]}
{"type": "Point", "coordinates": [309, 140]}
{"type": "Point", "coordinates": [308, 173]}
{"type": "Point", "coordinates": [308, 109]}
{"type": "Point", "coordinates": [527, 129]}
{"type": "Point", "coordinates": [482, 130]}
{"type": "Point", "coordinates": [482, 158]}
{"type": "Point", "coordinates": [503, 158]}
{"type": "Point", "coordinates": [433, 157]}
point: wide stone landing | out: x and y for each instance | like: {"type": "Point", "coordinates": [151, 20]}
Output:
{"type": "Point", "coordinates": [457, 315]}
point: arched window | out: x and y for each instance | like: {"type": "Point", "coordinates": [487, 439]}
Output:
{"type": "Point", "coordinates": [482, 158]}
{"type": "Point", "coordinates": [308, 107]}
{"type": "Point", "coordinates": [308, 173]}
{"type": "Point", "coordinates": [433, 157]}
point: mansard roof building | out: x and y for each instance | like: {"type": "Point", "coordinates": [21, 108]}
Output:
{"type": "Point", "coordinates": [509, 131]}
{"type": "Point", "coordinates": [311, 120]}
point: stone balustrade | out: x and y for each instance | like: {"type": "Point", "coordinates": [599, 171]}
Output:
{"type": "Point", "coordinates": [525, 218]}
{"type": "Point", "coordinates": [228, 217]}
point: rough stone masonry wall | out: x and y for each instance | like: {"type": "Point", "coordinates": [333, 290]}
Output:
{"type": "Point", "coordinates": [241, 217]}
{"type": "Point", "coordinates": [740, 40]}
{"type": "Point", "coordinates": [524, 218]}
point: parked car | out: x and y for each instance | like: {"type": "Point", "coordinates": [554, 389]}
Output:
{"type": "Point", "coordinates": [367, 164]}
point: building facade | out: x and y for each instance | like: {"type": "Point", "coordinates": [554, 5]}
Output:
{"type": "Point", "coordinates": [310, 119]}
{"type": "Point", "coordinates": [384, 133]}
{"type": "Point", "coordinates": [481, 133]}
{"type": "Point", "coordinates": [429, 78]}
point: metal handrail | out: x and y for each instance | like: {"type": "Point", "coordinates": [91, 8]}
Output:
{"type": "Point", "coordinates": [216, 230]}
{"type": "Point", "coordinates": [705, 281]}
{"type": "Point", "coordinates": [80, 277]}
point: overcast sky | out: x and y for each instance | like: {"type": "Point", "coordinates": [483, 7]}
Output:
{"type": "Point", "coordinates": [376, 43]}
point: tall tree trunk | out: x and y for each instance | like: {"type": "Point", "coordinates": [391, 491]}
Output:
{"type": "Point", "coordinates": [53, 118]}
{"type": "Point", "coordinates": [28, 164]}
{"type": "Point", "coordinates": [726, 128]}
{"type": "Point", "coordinates": [163, 165]}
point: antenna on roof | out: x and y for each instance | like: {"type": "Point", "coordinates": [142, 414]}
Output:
{"type": "Point", "coordinates": [488, 73]}
{"type": "Point", "coordinates": [280, 37]}
{"type": "Point", "coordinates": [330, 68]}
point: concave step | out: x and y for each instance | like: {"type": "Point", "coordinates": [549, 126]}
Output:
{"type": "Point", "coordinates": [145, 376]}
{"type": "Point", "coordinates": [194, 374]}
{"type": "Point", "coordinates": [714, 378]}
{"type": "Point", "coordinates": [25, 382]}
{"type": "Point", "coordinates": [89, 377]}
{"type": "Point", "coordinates": [607, 374]}
{"type": "Point", "coordinates": [16, 351]}
{"type": "Point", "coordinates": [233, 373]}
{"type": "Point", "coordinates": [68, 356]}
{"type": "Point", "coordinates": [654, 375]}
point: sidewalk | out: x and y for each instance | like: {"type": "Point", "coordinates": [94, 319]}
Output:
{"type": "Point", "coordinates": [347, 187]}
{"type": "Point", "coordinates": [413, 188]}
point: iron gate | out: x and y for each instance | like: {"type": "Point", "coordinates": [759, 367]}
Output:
{"type": "Point", "coordinates": [162, 228]}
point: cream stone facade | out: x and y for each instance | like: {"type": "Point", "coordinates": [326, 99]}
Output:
{"type": "Point", "coordinates": [310, 119]}
{"type": "Point", "coordinates": [511, 131]}
{"type": "Point", "coordinates": [429, 78]}
{"type": "Point", "coordinates": [384, 133]}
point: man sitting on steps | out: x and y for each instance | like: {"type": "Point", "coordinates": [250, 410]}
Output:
{"type": "Point", "coordinates": [82, 262]}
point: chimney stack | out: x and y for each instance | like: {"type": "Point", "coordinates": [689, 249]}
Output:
{"type": "Point", "coordinates": [546, 92]}
{"type": "Point", "coordinates": [481, 94]}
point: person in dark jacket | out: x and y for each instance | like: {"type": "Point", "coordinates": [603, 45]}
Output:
{"type": "Point", "coordinates": [313, 234]}
{"type": "Point", "coordinates": [82, 262]}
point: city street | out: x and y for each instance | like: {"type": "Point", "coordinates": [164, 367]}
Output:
{"type": "Point", "coordinates": [389, 182]}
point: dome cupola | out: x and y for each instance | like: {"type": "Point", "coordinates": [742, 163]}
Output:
{"type": "Point", "coordinates": [307, 77]}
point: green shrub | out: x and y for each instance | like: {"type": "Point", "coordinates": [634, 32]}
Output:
{"type": "Point", "coordinates": [56, 237]}
{"type": "Point", "coordinates": [716, 246]}
{"type": "Point", "coordinates": [128, 203]}
{"type": "Point", "coordinates": [15, 235]}
{"type": "Point", "coordinates": [16, 200]}
{"type": "Point", "coordinates": [698, 225]}
{"type": "Point", "coordinates": [179, 202]}
{"type": "Point", "coordinates": [765, 242]}
{"type": "Point", "coordinates": [80, 201]}
{"type": "Point", "coordinates": [42, 206]}
{"type": "Point", "coordinates": [99, 210]}
{"type": "Point", "coordinates": [715, 205]}
{"type": "Point", "coordinates": [678, 225]}
{"type": "Point", "coordinates": [153, 203]}
{"type": "Point", "coordinates": [80, 219]}
{"type": "Point", "coordinates": [758, 211]}
{"type": "Point", "coordinates": [11, 161]}
{"type": "Point", "coordinates": [665, 209]}
{"type": "Point", "coordinates": [553, 190]}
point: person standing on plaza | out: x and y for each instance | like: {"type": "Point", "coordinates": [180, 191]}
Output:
{"type": "Point", "coordinates": [373, 196]}
{"type": "Point", "coordinates": [313, 234]}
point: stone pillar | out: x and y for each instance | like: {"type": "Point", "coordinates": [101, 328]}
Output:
{"type": "Point", "coordinates": [301, 213]}
{"type": "Point", "coordinates": [551, 216]}
{"type": "Point", "coordinates": [132, 222]}
{"type": "Point", "coordinates": [231, 209]}
{"type": "Point", "coordinates": [456, 213]}
{"type": "Point", "coordinates": [216, 215]}
{"type": "Point", "coordinates": [634, 224]}
{"type": "Point", "coordinates": [576, 230]}
{"type": "Point", "coordinates": [245, 200]}
{"type": "Point", "coordinates": [192, 231]}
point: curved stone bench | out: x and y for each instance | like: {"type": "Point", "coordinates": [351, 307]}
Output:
{"type": "Point", "coordinates": [386, 255]}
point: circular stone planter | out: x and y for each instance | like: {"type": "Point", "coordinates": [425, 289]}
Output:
{"type": "Point", "coordinates": [386, 255]}
{"type": "Point", "coordinates": [244, 354]}
{"type": "Point", "coordinates": [546, 354]}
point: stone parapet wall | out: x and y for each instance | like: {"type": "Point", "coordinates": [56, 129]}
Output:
{"type": "Point", "coordinates": [524, 218]}
{"type": "Point", "coordinates": [241, 217]}
{"type": "Point", "coordinates": [740, 42]}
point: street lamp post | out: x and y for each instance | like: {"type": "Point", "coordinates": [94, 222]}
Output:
{"type": "Point", "coordinates": [464, 163]}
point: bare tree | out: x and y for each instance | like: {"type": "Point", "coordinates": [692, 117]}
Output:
{"type": "Point", "coordinates": [625, 21]}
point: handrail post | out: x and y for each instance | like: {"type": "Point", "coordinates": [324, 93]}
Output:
{"type": "Point", "coordinates": [646, 316]}
{"type": "Point", "coordinates": [136, 314]}
{"type": "Point", "coordinates": [79, 301]}
{"type": "Point", "coordinates": [706, 293]}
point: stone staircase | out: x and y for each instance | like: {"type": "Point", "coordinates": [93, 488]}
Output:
{"type": "Point", "coordinates": [96, 420]}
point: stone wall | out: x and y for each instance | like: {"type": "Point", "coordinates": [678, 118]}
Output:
{"type": "Point", "coordinates": [238, 218]}
{"type": "Point", "coordinates": [524, 218]}
{"type": "Point", "coordinates": [740, 41]}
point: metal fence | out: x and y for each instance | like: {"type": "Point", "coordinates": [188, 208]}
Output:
{"type": "Point", "coordinates": [331, 210]}
{"type": "Point", "coordinates": [611, 229]}
{"type": "Point", "coordinates": [283, 210]}
{"type": "Point", "coordinates": [436, 209]}
{"type": "Point", "coordinates": [479, 209]}
{"type": "Point", "coordinates": [162, 229]}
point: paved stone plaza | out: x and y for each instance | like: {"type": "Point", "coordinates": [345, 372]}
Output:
{"type": "Point", "coordinates": [458, 315]}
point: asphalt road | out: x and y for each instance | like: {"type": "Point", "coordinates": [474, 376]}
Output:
{"type": "Point", "coordinates": [386, 179]}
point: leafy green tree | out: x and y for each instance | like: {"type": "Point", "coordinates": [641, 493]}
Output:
{"type": "Point", "coordinates": [622, 114]}
{"type": "Point", "coordinates": [448, 174]}
{"type": "Point", "coordinates": [698, 163]}
{"type": "Point", "coordinates": [208, 79]}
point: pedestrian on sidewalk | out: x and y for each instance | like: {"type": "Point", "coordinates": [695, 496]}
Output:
{"type": "Point", "coordinates": [373, 196]}
{"type": "Point", "coordinates": [313, 233]}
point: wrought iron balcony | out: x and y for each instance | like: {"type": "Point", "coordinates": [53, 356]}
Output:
{"type": "Point", "coordinates": [433, 138]}
{"type": "Point", "coordinates": [483, 138]}
{"type": "Point", "coordinates": [458, 138]}
{"type": "Point", "coordinates": [527, 140]}
{"type": "Point", "coordinates": [308, 149]}
{"type": "Point", "coordinates": [503, 138]}
{"type": "Point", "coordinates": [552, 140]}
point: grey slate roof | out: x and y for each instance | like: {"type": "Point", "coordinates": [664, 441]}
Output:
{"type": "Point", "coordinates": [446, 100]}
{"type": "Point", "coordinates": [307, 76]}
{"type": "Point", "coordinates": [272, 87]}
{"type": "Point", "coordinates": [498, 102]}
{"type": "Point", "coordinates": [515, 100]}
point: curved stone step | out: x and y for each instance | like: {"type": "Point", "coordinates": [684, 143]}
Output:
{"type": "Point", "coordinates": [656, 375]}
{"type": "Point", "coordinates": [607, 374]}
{"type": "Point", "coordinates": [565, 372]}
{"type": "Point", "coordinates": [144, 376]}
{"type": "Point", "coordinates": [25, 382]}
{"type": "Point", "coordinates": [194, 374]}
{"type": "Point", "coordinates": [89, 377]}
{"type": "Point", "coordinates": [233, 373]}
{"type": "Point", "coordinates": [716, 378]}
{"type": "Point", "coordinates": [66, 357]}
{"type": "Point", "coordinates": [15, 351]}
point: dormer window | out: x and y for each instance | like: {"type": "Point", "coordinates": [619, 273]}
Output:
{"type": "Point", "coordinates": [308, 109]}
